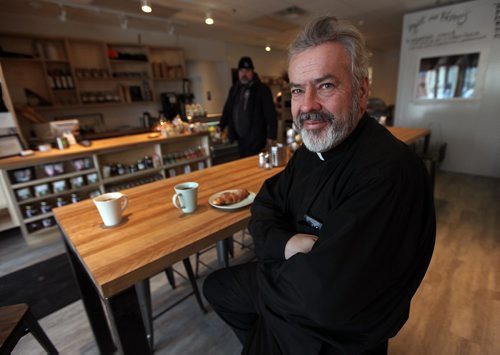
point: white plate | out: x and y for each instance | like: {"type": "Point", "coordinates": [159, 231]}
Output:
{"type": "Point", "coordinates": [247, 201]}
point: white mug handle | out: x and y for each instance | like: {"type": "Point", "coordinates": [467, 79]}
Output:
{"type": "Point", "coordinates": [125, 202]}
{"type": "Point", "coordinates": [174, 201]}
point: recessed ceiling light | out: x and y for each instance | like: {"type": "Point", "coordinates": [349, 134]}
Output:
{"type": "Point", "coordinates": [209, 19]}
{"type": "Point", "coordinates": [62, 15]}
{"type": "Point", "coordinates": [268, 48]}
{"type": "Point", "coordinates": [146, 6]}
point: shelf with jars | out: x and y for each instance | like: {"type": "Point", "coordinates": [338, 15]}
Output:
{"type": "Point", "coordinates": [54, 73]}
{"type": "Point", "coordinates": [35, 189]}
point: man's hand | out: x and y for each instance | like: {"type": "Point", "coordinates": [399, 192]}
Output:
{"type": "Point", "coordinates": [299, 243]}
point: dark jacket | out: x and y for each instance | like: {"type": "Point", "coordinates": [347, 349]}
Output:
{"type": "Point", "coordinates": [371, 201]}
{"type": "Point", "coordinates": [262, 115]}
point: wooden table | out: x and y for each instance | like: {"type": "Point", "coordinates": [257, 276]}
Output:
{"type": "Point", "coordinates": [411, 135]}
{"type": "Point", "coordinates": [154, 235]}
{"type": "Point", "coordinates": [108, 262]}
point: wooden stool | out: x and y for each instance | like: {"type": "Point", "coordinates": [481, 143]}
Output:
{"type": "Point", "coordinates": [15, 322]}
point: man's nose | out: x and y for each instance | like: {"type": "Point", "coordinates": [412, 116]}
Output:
{"type": "Point", "coordinates": [310, 102]}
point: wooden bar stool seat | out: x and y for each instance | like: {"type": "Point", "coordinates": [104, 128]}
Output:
{"type": "Point", "coordinates": [15, 322]}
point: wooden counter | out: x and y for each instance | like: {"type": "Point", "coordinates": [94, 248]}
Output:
{"type": "Point", "coordinates": [100, 145]}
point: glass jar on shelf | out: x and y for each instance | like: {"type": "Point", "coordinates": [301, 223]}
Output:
{"type": "Point", "coordinates": [60, 202]}
{"type": "Point", "coordinates": [45, 207]}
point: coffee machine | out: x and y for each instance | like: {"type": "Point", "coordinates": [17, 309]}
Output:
{"type": "Point", "coordinates": [171, 105]}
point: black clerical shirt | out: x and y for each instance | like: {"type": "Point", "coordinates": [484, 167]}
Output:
{"type": "Point", "coordinates": [370, 203]}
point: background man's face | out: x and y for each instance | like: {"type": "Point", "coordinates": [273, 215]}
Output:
{"type": "Point", "coordinates": [245, 75]}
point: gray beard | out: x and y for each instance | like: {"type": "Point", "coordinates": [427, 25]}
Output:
{"type": "Point", "coordinates": [322, 140]}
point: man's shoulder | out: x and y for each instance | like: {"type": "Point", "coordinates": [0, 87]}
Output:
{"type": "Point", "coordinates": [377, 150]}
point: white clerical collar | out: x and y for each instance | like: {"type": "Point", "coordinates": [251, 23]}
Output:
{"type": "Point", "coordinates": [320, 156]}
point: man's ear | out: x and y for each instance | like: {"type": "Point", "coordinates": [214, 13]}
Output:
{"type": "Point", "coordinates": [364, 89]}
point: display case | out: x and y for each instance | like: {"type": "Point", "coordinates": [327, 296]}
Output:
{"type": "Point", "coordinates": [36, 189]}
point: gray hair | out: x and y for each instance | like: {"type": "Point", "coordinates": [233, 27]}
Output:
{"type": "Point", "coordinates": [329, 29]}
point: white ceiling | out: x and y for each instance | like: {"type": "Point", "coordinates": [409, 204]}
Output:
{"type": "Point", "coordinates": [253, 22]}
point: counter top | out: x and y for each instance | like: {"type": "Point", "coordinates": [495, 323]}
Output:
{"type": "Point", "coordinates": [109, 144]}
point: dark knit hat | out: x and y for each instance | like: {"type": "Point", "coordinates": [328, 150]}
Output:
{"type": "Point", "coordinates": [245, 63]}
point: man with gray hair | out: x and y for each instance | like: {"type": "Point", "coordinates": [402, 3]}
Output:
{"type": "Point", "coordinates": [345, 233]}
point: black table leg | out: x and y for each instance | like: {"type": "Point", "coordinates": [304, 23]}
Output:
{"type": "Point", "coordinates": [222, 253]}
{"type": "Point", "coordinates": [125, 313]}
{"type": "Point", "coordinates": [92, 303]}
{"type": "Point", "coordinates": [143, 290]}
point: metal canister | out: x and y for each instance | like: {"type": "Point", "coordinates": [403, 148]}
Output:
{"type": "Point", "coordinates": [262, 160]}
{"type": "Point", "coordinates": [278, 155]}
{"type": "Point", "coordinates": [267, 164]}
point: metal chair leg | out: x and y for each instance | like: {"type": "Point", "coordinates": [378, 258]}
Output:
{"type": "Point", "coordinates": [194, 285]}
{"type": "Point", "coordinates": [169, 271]}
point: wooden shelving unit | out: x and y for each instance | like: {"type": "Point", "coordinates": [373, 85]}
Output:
{"type": "Point", "coordinates": [76, 73]}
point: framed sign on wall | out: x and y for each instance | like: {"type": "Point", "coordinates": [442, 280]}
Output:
{"type": "Point", "coordinates": [448, 77]}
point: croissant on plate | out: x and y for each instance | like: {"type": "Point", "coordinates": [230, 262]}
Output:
{"type": "Point", "coordinates": [229, 198]}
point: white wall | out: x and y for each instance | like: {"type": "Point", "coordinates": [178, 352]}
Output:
{"type": "Point", "coordinates": [385, 75]}
{"type": "Point", "coordinates": [471, 127]}
{"type": "Point", "coordinates": [210, 80]}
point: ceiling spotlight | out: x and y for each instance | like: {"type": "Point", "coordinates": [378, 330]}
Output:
{"type": "Point", "coordinates": [268, 48]}
{"type": "Point", "coordinates": [146, 6]}
{"type": "Point", "coordinates": [62, 15]}
{"type": "Point", "coordinates": [208, 19]}
{"type": "Point", "coordinates": [123, 22]}
{"type": "Point", "coordinates": [171, 30]}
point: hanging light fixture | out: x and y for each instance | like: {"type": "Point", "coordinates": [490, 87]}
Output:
{"type": "Point", "coordinates": [146, 6]}
{"type": "Point", "coordinates": [208, 18]}
{"type": "Point", "coordinates": [171, 30]}
{"type": "Point", "coordinates": [124, 22]}
{"type": "Point", "coordinates": [62, 15]}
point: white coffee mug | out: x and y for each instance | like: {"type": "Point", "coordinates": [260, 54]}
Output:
{"type": "Point", "coordinates": [111, 207]}
{"type": "Point", "coordinates": [186, 196]}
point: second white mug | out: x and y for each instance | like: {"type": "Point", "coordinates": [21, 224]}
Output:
{"type": "Point", "coordinates": [186, 196]}
{"type": "Point", "coordinates": [111, 207]}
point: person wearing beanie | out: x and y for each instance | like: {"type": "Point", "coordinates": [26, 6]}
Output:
{"type": "Point", "coordinates": [249, 112]}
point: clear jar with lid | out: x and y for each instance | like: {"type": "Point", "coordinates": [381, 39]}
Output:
{"type": "Point", "coordinates": [148, 162]}
{"type": "Point", "coordinates": [34, 226]}
{"type": "Point", "coordinates": [60, 202]}
{"type": "Point", "coordinates": [45, 207]}
{"type": "Point", "coordinates": [30, 211]}
{"type": "Point", "coordinates": [120, 169]}
{"type": "Point", "coordinates": [47, 222]}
